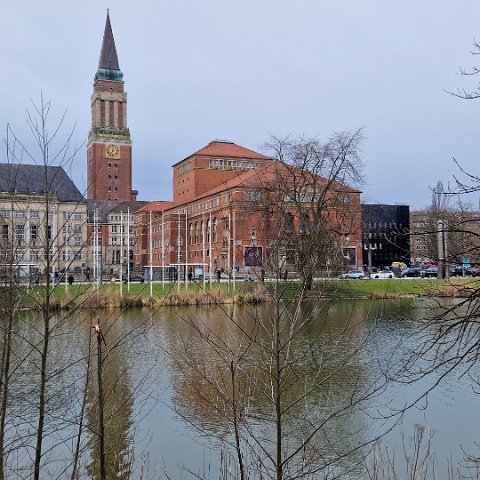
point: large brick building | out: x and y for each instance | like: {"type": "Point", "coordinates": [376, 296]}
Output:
{"type": "Point", "coordinates": [215, 220]}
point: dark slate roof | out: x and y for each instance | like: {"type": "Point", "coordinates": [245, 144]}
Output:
{"type": "Point", "coordinates": [30, 179]}
{"type": "Point", "coordinates": [105, 207]}
{"type": "Point", "coordinates": [108, 54]}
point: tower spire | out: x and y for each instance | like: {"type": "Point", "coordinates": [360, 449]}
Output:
{"type": "Point", "coordinates": [109, 147]}
{"type": "Point", "coordinates": [108, 67]}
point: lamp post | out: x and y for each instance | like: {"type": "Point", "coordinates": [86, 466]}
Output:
{"type": "Point", "coordinates": [369, 247]}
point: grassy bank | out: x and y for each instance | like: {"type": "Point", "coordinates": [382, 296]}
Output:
{"type": "Point", "coordinates": [88, 296]}
{"type": "Point", "coordinates": [138, 295]}
{"type": "Point", "coordinates": [397, 288]}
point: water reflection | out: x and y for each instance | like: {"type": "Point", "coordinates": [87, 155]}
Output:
{"type": "Point", "coordinates": [118, 406]}
{"type": "Point", "coordinates": [214, 367]}
{"type": "Point", "coordinates": [230, 368]}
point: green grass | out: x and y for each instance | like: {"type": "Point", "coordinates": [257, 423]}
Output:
{"type": "Point", "coordinates": [393, 287]}
{"type": "Point", "coordinates": [109, 296]}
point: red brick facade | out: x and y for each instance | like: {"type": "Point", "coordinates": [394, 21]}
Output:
{"type": "Point", "coordinates": [222, 226]}
{"type": "Point", "coordinates": [109, 151]}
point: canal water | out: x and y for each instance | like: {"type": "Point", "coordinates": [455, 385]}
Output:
{"type": "Point", "coordinates": [169, 381]}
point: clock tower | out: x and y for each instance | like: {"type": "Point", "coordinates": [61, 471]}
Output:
{"type": "Point", "coordinates": [109, 150]}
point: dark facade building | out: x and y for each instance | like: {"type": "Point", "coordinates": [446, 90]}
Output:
{"type": "Point", "coordinates": [386, 234]}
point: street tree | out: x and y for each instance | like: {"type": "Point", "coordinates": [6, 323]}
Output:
{"type": "Point", "coordinates": [310, 203]}
{"type": "Point", "coordinates": [271, 384]}
{"type": "Point", "coordinates": [49, 416]}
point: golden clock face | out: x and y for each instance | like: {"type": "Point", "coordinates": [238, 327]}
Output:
{"type": "Point", "coordinates": [112, 151]}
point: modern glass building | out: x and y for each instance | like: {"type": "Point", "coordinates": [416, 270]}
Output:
{"type": "Point", "coordinates": [385, 234]}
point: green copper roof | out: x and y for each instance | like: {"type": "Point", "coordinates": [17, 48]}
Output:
{"type": "Point", "coordinates": [108, 74]}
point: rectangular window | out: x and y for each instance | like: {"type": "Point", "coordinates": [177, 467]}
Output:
{"type": "Point", "coordinates": [33, 232]}
{"type": "Point", "coordinates": [120, 114]}
{"type": "Point", "coordinates": [78, 216]}
{"type": "Point", "coordinates": [110, 114]}
{"type": "Point", "coordinates": [252, 196]}
{"type": "Point", "coordinates": [20, 232]}
{"type": "Point", "coordinates": [34, 214]}
{"type": "Point", "coordinates": [5, 213]}
{"type": "Point", "coordinates": [4, 232]}
{"type": "Point", "coordinates": [19, 213]}
{"type": "Point", "coordinates": [102, 113]}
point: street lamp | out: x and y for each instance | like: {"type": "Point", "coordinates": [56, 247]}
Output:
{"type": "Point", "coordinates": [369, 247]}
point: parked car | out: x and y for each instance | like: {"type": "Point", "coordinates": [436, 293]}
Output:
{"type": "Point", "coordinates": [411, 272]}
{"type": "Point", "coordinates": [383, 274]}
{"type": "Point", "coordinates": [430, 272]}
{"type": "Point", "coordinates": [401, 265]}
{"type": "Point", "coordinates": [458, 272]}
{"type": "Point", "coordinates": [474, 271]}
{"type": "Point", "coordinates": [354, 274]}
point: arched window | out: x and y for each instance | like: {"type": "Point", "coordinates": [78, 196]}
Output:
{"type": "Point", "coordinates": [202, 228]}
{"type": "Point", "coordinates": [208, 230]}
{"type": "Point", "coordinates": [196, 232]}
{"type": "Point", "coordinates": [191, 233]}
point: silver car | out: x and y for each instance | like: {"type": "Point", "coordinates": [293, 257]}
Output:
{"type": "Point", "coordinates": [354, 274]}
{"type": "Point", "coordinates": [383, 274]}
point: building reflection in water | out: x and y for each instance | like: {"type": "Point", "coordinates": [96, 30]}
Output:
{"type": "Point", "coordinates": [223, 379]}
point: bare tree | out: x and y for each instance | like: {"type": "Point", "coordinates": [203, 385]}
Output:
{"type": "Point", "coordinates": [311, 208]}
{"type": "Point", "coordinates": [270, 382]}
{"type": "Point", "coordinates": [47, 415]}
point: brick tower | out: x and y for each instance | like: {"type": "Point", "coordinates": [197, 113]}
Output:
{"type": "Point", "coordinates": [109, 150]}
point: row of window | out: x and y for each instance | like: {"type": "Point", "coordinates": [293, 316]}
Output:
{"type": "Point", "coordinates": [196, 232]}
{"type": "Point", "coordinates": [35, 232]}
{"type": "Point", "coordinates": [185, 167]}
{"type": "Point", "coordinates": [116, 241]}
{"type": "Point", "coordinates": [384, 225]}
{"type": "Point", "coordinates": [22, 213]}
{"type": "Point", "coordinates": [36, 214]}
{"type": "Point", "coordinates": [20, 232]}
{"type": "Point", "coordinates": [220, 164]}
{"type": "Point", "coordinates": [20, 255]}
{"type": "Point", "coordinates": [75, 215]}
{"type": "Point", "coordinates": [200, 207]}
{"type": "Point", "coordinates": [77, 241]}
{"type": "Point", "coordinates": [120, 229]}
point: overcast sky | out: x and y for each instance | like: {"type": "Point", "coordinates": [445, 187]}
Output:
{"type": "Point", "coordinates": [196, 71]}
